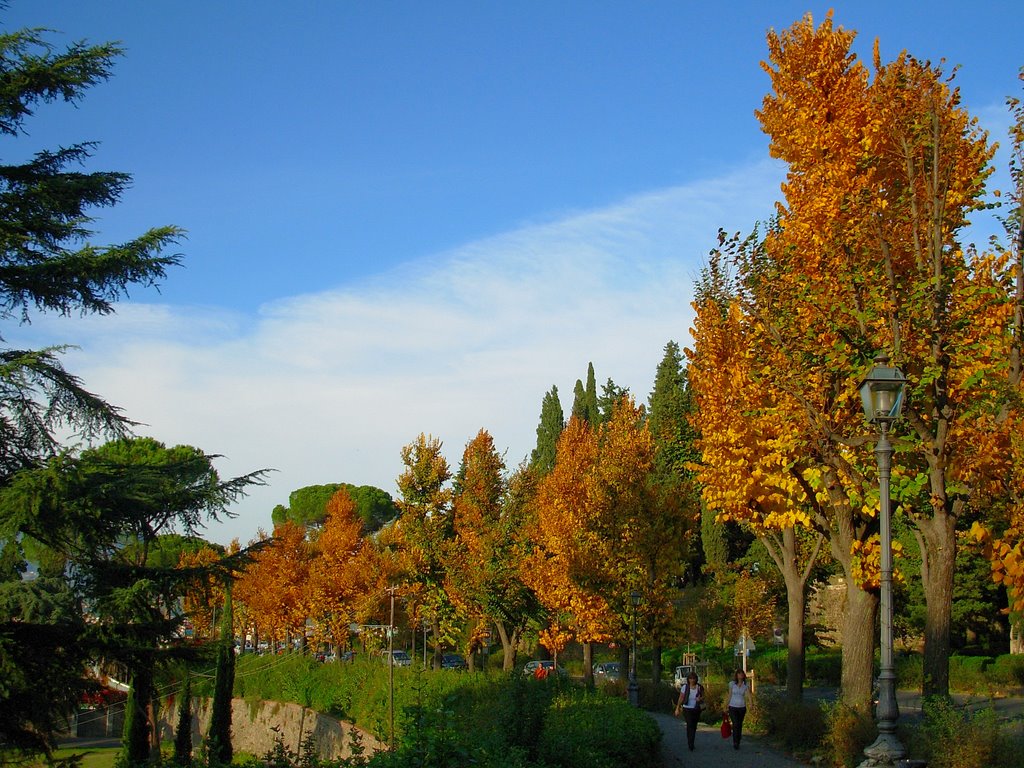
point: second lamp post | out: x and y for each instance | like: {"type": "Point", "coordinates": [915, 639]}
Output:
{"type": "Point", "coordinates": [634, 689]}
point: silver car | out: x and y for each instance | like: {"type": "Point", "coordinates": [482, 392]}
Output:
{"type": "Point", "coordinates": [608, 670]}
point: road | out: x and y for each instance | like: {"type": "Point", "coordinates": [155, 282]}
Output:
{"type": "Point", "coordinates": [1009, 709]}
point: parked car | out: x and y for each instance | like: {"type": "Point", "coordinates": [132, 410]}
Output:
{"type": "Point", "coordinates": [608, 670]}
{"type": "Point", "coordinates": [453, 661]}
{"type": "Point", "coordinates": [534, 669]}
{"type": "Point", "coordinates": [398, 658]}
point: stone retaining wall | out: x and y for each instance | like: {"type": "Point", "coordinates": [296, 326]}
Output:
{"type": "Point", "coordinates": [255, 727]}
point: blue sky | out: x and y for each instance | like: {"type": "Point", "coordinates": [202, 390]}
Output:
{"type": "Point", "coordinates": [409, 216]}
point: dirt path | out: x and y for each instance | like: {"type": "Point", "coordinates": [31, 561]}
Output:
{"type": "Point", "coordinates": [712, 751]}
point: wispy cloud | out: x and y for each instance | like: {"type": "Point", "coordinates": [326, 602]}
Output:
{"type": "Point", "coordinates": [327, 387]}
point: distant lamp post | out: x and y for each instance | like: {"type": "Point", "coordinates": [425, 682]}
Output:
{"type": "Point", "coordinates": [881, 393]}
{"type": "Point", "coordinates": [634, 689]}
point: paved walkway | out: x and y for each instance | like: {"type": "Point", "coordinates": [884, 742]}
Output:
{"type": "Point", "coordinates": [712, 751]}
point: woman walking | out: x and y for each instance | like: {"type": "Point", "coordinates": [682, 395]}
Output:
{"type": "Point", "coordinates": [739, 695]}
{"type": "Point", "coordinates": [690, 702]}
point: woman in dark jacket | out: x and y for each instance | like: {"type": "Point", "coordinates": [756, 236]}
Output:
{"type": "Point", "coordinates": [690, 703]}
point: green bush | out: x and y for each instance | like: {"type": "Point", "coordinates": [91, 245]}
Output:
{"type": "Point", "coordinates": [909, 671]}
{"type": "Point", "coordinates": [770, 666]}
{"type": "Point", "coordinates": [951, 737]}
{"type": "Point", "coordinates": [847, 732]}
{"type": "Point", "coordinates": [656, 698]}
{"type": "Point", "coordinates": [1007, 670]}
{"type": "Point", "coordinates": [587, 730]}
{"type": "Point", "coordinates": [967, 673]}
{"type": "Point", "coordinates": [797, 727]}
{"type": "Point", "coordinates": [824, 668]}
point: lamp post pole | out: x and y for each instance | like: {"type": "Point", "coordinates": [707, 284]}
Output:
{"type": "Point", "coordinates": [634, 689]}
{"type": "Point", "coordinates": [882, 393]}
{"type": "Point", "coordinates": [886, 749]}
{"type": "Point", "coordinates": [391, 672]}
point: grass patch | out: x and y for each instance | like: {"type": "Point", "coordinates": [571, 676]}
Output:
{"type": "Point", "coordinates": [103, 757]}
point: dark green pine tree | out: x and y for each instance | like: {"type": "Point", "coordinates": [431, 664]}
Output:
{"type": "Point", "coordinates": [218, 739]}
{"type": "Point", "coordinates": [46, 261]}
{"type": "Point", "coordinates": [611, 395]}
{"type": "Point", "coordinates": [668, 414]}
{"type": "Point", "coordinates": [552, 422]}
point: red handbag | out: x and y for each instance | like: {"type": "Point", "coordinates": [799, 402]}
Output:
{"type": "Point", "coordinates": [726, 727]}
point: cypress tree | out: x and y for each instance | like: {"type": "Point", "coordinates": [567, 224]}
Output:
{"type": "Point", "coordinates": [135, 737]}
{"type": "Point", "coordinates": [183, 734]}
{"type": "Point", "coordinates": [218, 739]}
{"type": "Point", "coordinates": [593, 414]}
{"type": "Point", "coordinates": [552, 422]}
{"type": "Point", "coordinates": [579, 403]}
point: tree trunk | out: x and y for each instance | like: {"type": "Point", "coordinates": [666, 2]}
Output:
{"type": "Point", "coordinates": [437, 646]}
{"type": "Point", "coordinates": [588, 663]}
{"type": "Point", "coordinates": [1016, 635]}
{"type": "Point", "coordinates": [796, 605]}
{"type": "Point", "coordinates": [858, 646]}
{"type": "Point", "coordinates": [656, 664]}
{"type": "Point", "coordinates": [938, 563]}
{"type": "Point", "coordinates": [509, 647]}
{"type": "Point", "coordinates": [624, 660]}
{"type": "Point", "coordinates": [784, 548]}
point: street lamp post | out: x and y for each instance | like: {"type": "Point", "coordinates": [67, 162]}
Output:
{"type": "Point", "coordinates": [634, 689]}
{"type": "Point", "coordinates": [882, 396]}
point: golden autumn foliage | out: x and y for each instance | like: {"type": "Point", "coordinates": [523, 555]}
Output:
{"type": "Point", "coordinates": [273, 586]}
{"type": "Point", "coordinates": [884, 167]}
{"type": "Point", "coordinates": [344, 573]}
{"type": "Point", "coordinates": [602, 530]}
{"type": "Point", "coordinates": [566, 568]}
{"type": "Point", "coordinates": [205, 594]}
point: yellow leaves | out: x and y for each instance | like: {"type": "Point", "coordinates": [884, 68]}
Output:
{"type": "Point", "coordinates": [866, 562]}
{"type": "Point", "coordinates": [1006, 557]}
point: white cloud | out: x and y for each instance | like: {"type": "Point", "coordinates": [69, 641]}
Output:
{"type": "Point", "coordinates": [327, 387]}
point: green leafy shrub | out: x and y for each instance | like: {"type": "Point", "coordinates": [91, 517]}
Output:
{"type": "Point", "coordinates": [951, 737]}
{"type": "Point", "coordinates": [655, 698]}
{"type": "Point", "coordinates": [824, 668]}
{"type": "Point", "coordinates": [909, 671]}
{"type": "Point", "coordinates": [770, 666]}
{"type": "Point", "coordinates": [847, 732]}
{"type": "Point", "coordinates": [797, 727]}
{"type": "Point", "coordinates": [1007, 670]}
{"type": "Point", "coordinates": [587, 730]}
{"type": "Point", "coordinates": [967, 673]}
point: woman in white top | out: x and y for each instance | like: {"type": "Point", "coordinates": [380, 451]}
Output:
{"type": "Point", "coordinates": [739, 695]}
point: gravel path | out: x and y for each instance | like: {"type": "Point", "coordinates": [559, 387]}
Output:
{"type": "Point", "coordinates": [712, 751]}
